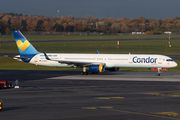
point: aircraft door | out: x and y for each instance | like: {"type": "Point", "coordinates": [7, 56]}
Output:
{"type": "Point", "coordinates": [159, 60]}
{"type": "Point", "coordinates": [130, 60]}
{"type": "Point", "coordinates": [35, 59]}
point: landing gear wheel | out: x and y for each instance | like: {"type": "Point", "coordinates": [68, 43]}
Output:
{"type": "Point", "coordinates": [158, 74]}
{"type": "Point", "coordinates": [84, 73]}
{"type": "Point", "coordinates": [93, 72]}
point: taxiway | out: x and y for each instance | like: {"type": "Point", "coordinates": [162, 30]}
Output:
{"type": "Point", "coordinates": [66, 95]}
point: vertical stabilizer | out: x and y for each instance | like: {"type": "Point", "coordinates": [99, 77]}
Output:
{"type": "Point", "coordinates": [24, 46]}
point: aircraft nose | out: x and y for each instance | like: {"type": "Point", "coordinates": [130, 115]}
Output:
{"type": "Point", "coordinates": [175, 64]}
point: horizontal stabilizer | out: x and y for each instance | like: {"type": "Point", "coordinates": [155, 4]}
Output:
{"type": "Point", "coordinates": [25, 58]}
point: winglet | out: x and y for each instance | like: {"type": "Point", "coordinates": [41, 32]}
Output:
{"type": "Point", "coordinates": [97, 51]}
{"type": "Point", "coordinates": [46, 56]}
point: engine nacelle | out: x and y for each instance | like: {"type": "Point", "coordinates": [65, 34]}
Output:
{"type": "Point", "coordinates": [96, 68]}
{"type": "Point", "coordinates": [113, 69]}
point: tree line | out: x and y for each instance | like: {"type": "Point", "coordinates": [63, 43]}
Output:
{"type": "Point", "coordinates": [15, 21]}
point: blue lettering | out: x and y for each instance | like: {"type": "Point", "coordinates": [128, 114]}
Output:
{"type": "Point", "coordinates": [144, 60]}
{"type": "Point", "coordinates": [138, 60]}
{"type": "Point", "coordinates": [147, 60]}
{"type": "Point", "coordinates": [134, 58]}
{"type": "Point", "coordinates": [155, 60]}
{"type": "Point", "coordinates": [152, 60]}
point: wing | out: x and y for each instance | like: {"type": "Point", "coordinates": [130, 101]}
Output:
{"type": "Point", "coordinates": [75, 63]}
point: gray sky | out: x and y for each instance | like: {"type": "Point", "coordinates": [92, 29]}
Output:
{"type": "Point", "coordinates": [158, 9]}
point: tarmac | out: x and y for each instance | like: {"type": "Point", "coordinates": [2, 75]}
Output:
{"type": "Point", "coordinates": [67, 95]}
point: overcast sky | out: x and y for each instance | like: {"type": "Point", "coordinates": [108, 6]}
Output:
{"type": "Point", "coordinates": [158, 9]}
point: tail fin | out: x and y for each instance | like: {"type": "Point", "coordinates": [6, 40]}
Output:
{"type": "Point", "coordinates": [24, 46]}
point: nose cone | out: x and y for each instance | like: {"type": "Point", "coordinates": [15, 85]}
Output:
{"type": "Point", "coordinates": [175, 64]}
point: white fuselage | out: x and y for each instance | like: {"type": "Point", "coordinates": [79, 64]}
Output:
{"type": "Point", "coordinates": [110, 60]}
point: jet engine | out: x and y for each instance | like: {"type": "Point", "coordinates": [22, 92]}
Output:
{"type": "Point", "coordinates": [96, 68]}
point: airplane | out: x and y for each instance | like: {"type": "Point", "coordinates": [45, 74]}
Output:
{"type": "Point", "coordinates": [90, 63]}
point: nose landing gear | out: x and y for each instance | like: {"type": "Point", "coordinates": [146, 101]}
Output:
{"type": "Point", "coordinates": [159, 72]}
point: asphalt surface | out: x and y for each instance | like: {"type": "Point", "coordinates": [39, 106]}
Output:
{"type": "Point", "coordinates": [67, 95]}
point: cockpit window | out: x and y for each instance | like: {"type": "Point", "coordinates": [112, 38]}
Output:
{"type": "Point", "coordinates": [169, 60]}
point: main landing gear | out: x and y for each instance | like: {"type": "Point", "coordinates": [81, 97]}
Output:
{"type": "Point", "coordinates": [84, 71]}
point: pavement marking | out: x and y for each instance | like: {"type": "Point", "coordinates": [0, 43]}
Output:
{"type": "Point", "coordinates": [98, 107]}
{"type": "Point", "coordinates": [146, 114]}
{"type": "Point", "coordinates": [109, 97]}
{"type": "Point", "coordinates": [119, 77]}
{"type": "Point", "coordinates": [173, 114]}
{"type": "Point", "coordinates": [127, 118]}
{"type": "Point", "coordinates": [168, 95]}
{"type": "Point", "coordinates": [105, 107]}
{"type": "Point", "coordinates": [167, 115]}
{"type": "Point", "coordinates": [92, 108]}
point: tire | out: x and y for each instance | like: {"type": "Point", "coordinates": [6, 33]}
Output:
{"type": "Point", "coordinates": [158, 74]}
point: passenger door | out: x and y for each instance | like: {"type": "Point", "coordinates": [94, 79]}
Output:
{"type": "Point", "coordinates": [35, 59]}
{"type": "Point", "coordinates": [159, 60]}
